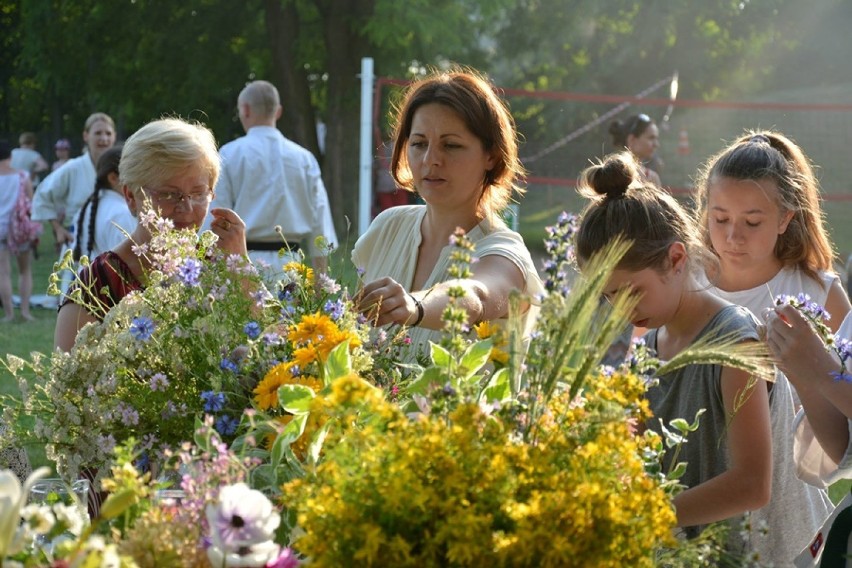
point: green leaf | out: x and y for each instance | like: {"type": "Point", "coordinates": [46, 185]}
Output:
{"type": "Point", "coordinates": [678, 471]}
{"type": "Point", "coordinates": [498, 387]}
{"type": "Point", "coordinates": [430, 376]}
{"type": "Point", "coordinates": [476, 356]}
{"type": "Point", "coordinates": [316, 444]}
{"type": "Point", "coordinates": [117, 503]}
{"type": "Point", "coordinates": [295, 399]}
{"type": "Point", "coordinates": [440, 356]}
{"type": "Point", "coordinates": [291, 433]}
{"type": "Point", "coordinates": [338, 364]}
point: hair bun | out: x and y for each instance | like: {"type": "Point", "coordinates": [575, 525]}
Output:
{"type": "Point", "coordinates": [616, 128]}
{"type": "Point", "coordinates": [612, 177]}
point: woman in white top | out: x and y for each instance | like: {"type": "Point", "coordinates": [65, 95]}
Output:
{"type": "Point", "coordinates": [456, 146]}
{"type": "Point", "coordinates": [105, 220]}
{"type": "Point", "coordinates": [61, 194]}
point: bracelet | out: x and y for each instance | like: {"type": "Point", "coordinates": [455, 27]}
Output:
{"type": "Point", "coordinates": [420, 311]}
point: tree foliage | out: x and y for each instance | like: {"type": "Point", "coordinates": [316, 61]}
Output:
{"type": "Point", "coordinates": [141, 59]}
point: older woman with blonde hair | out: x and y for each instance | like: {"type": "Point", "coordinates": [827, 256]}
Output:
{"type": "Point", "coordinates": [456, 146]}
{"type": "Point", "coordinates": [170, 165]}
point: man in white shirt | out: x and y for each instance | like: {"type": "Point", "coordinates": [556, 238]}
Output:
{"type": "Point", "coordinates": [270, 181]}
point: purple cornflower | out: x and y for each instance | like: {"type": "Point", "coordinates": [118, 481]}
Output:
{"type": "Point", "coordinates": [213, 401]}
{"type": "Point", "coordinates": [226, 425]}
{"type": "Point", "coordinates": [272, 339]}
{"type": "Point", "coordinates": [142, 328]}
{"type": "Point", "coordinates": [334, 308]}
{"type": "Point", "coordinates": [252, 329]}
{"type": "Point", "coordinates": [843, 348]}
{"type": "Point", "coordinates": [159, 382]}
{"type": "Point", "coordinates": [189, 272]}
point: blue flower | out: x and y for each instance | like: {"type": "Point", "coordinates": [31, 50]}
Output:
{"type": "Point", "coordinates": [228, 365]}
{"type": "Point", "coordinates": [213, 401]}
{"type": "Point", "coordinates": [142, 328]}
{"type": "Point", "coordinates": [189, 272]}
{"type": "Point", "coordinates": [226, 425]}
{"type": "Point", "coordinates": [142, 462]}
{"type": "Point", "coordinates": [334, 308]}
{"type": "Point", "coordinates": [252, 329]}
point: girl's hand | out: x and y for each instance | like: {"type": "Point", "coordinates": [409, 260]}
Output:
{"type": "Point", "coordinates": [385, 301]}
{"type": "Point", "coordinates": [231, 231]}
{"type": "Point", "coordinates": [800, 352]}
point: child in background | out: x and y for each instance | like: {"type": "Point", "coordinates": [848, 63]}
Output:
{"type": "Point", "coordinates": [62, 149]}
{"type": "Point", "coordinates": [104, 220]}
{"type": "Point", "coordinates": [760, 213]}
{"type": "Point", "coordinates": [729, 457]}
{"type": "Point", "coordinates": [639, 134]}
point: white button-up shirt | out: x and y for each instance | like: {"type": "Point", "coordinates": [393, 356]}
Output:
{"type": "Point", "coordinates": [269, 180]}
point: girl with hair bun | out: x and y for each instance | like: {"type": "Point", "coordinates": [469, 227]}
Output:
{"type": "Point", "coordinates": [729, 457]}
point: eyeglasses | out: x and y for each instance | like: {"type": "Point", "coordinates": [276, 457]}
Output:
{"type": "Point", "coordinates": [172, 198]}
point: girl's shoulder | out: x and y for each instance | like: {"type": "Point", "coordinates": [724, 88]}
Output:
{"type": "Point", "coordinates": [733, 320]}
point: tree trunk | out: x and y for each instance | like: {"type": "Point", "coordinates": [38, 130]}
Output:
{"type": "Point", "coordinates": [298, 117]}
{"type": "Point", "coordinates": [345, 47]}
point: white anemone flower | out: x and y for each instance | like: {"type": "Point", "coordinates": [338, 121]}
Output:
{"type": "Point", "coordinates": [242, 527]}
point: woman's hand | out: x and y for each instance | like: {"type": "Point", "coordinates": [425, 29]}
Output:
{"type": "Point", "coordinates": [385, 301]}
{"type": "Point", "coordinates": [231, 231]}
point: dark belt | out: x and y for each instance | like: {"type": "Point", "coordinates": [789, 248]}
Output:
{"type": "Point", "coordinates": [276, 246]}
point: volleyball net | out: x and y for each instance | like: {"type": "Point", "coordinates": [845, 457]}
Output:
{"type": "Point", "coordinates": [563, 132]}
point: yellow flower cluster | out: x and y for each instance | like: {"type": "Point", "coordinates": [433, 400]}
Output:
{"type": "Point", "coordinates": [486, 329]}
{"type": "Point", "coordinates": [466, 492]}
{"type": "Point", "coordinates": [305, 272]}
{"type": "Point", "coordinates": [266, 392]}
{"type": "Point", "coordinates": [315, 336]}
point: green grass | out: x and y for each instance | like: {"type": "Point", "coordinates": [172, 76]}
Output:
{"type": "Point", "coordinates": [22, 338]}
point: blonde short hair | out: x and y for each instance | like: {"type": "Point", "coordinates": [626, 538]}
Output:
{"type": "Point", "coordinates": [163, 149]}
{"type": "Point", "coordinates": [98, 116]}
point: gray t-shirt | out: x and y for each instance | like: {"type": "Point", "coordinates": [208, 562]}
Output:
{"type": "Point", "coordinates": [782, 528]}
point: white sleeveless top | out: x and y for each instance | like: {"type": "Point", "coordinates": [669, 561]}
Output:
{"type": "Point", "coordinates": [795, 509]}
{"type": "Point", "coordinates": [789, 281]}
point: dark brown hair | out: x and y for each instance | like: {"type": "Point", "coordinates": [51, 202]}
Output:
{"type": "Point", "coordinates": [484, 114]}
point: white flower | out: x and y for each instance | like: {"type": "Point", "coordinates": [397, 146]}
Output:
{"type": "Point", "coordinates": [242, 526]}
{"type": "Point", "coordinates": [39, 517]}
{"type": "Point", "coordinates": [72, 516]}
{"type": "Point", "coordinates": [13, 498]}
{"type": "Point", "coordinates": [246, 557]}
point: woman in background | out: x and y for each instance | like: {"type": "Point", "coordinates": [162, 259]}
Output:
{"type": "Point", "coordinates": [640, 135]}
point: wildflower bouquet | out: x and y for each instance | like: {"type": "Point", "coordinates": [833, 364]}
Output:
{"type": "Point", "coordinates": [213, 520]}
{"type": "Point", "coordinates": [204, 336]}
